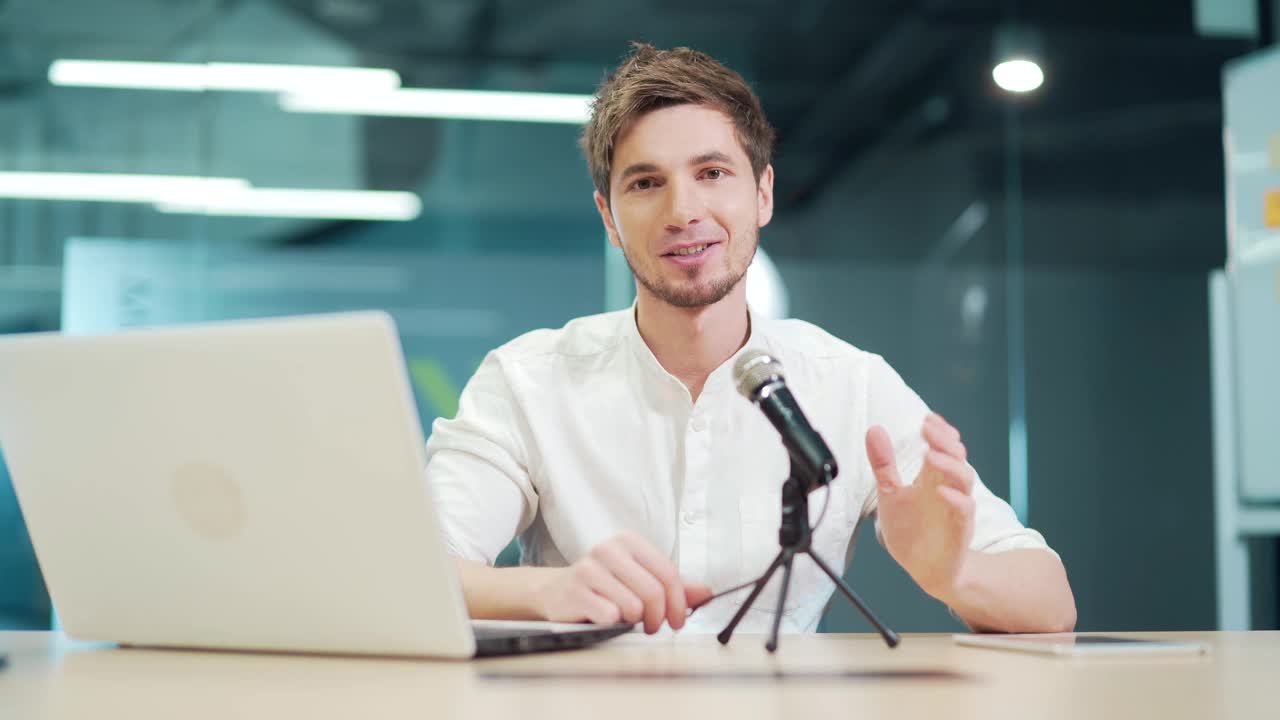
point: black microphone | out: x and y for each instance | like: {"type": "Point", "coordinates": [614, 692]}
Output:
{"type": "Point", "coordinates": [760, 380]}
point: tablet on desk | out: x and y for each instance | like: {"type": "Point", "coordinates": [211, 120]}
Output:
{"type": "Point", "coordinates": [1073, 645]}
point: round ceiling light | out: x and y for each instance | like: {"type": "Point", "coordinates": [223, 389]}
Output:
{"type": "Point", "coordinates": [1018, 75]}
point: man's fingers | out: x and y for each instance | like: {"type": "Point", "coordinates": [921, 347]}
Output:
{"type": "Point", "coordinates": [880, 453]}
{"type": "Point", "coordinates": [598, 609]}
{"type": "Point", "coordinates": [949, 472]}
{"type": "Point", "coordinates": [617, 558]}
{"type": "Point", "coordinates": [941, 422]}
{"type": "Point", "coordinates": [941, 437]}
{"type": "Point", "coordinates": [665, 571]}
{"type": "Point", "coordinates": [958, 502]}
{"type": "Point", "coordinates": [696, 594]}
{"type": "Point", "coordinates": [602, 582]}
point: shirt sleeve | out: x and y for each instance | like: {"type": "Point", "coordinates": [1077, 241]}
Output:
{"type": "Point", "coordinates": [896, 407]}
{"type": "Point", "coordinates": [477, 468]}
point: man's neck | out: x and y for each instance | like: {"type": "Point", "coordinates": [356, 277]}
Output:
{"type": "Point", "coordinates": [692, 342]}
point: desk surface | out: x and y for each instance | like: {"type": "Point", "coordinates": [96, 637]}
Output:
{"type": "Point", "coordinates": [823, 676]}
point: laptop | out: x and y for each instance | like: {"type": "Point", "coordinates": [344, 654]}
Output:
{"type": "Point", "coordinates": [252, 485]}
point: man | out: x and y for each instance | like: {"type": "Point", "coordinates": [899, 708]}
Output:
{"type": "Point", "coordinates": [638, 480]}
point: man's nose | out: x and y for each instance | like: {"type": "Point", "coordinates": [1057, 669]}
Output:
{"type": "Point", "coordinates": [685, 205]}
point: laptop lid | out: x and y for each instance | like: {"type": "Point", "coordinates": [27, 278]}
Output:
{"type": "Point", "coordinates": [249, 485]}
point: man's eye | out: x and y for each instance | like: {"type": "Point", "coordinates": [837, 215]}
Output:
{"type": "Point", "coordinates": [713, 174]}
{"type": "Point", "coordinates": [642, 184]}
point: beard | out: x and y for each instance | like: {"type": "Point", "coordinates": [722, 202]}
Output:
{"type": "Point", "coordinates": [693, 295]}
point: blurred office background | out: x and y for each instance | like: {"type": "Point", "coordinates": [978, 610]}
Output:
{"type": "Point", "coordinates": [1037, 265]}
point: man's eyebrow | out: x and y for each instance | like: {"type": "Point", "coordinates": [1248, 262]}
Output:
{"type": "Point", "coordinates": [713, 156]}
{"type": "Point", "coordinates": [637, 169]}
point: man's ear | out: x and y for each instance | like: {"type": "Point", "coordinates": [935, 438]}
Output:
{"type": "Point", "coordinates": [764, 196]}
{"type": "Point", "coordinates": [606, 216]}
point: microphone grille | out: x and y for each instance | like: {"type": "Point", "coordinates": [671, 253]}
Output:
{"type": "Point", "coordinates": [753, 370]}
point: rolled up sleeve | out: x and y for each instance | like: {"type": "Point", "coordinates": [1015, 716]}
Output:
{"type": "Point", "coordinates": [996, 527]}
{"type": "Point", "coordinates": [478, 470]}
{"type": "Point", "coordinates": [892, 404]}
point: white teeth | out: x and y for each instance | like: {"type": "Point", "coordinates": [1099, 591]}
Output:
{"type": "Point", "coordinates": [690, 250]}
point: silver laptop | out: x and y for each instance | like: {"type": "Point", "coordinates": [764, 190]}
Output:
{"type": "Point", "coordinates": [251, 485]}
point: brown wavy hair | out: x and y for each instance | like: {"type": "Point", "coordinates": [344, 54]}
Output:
{"type": "Point", "coordinates": [651, 79]}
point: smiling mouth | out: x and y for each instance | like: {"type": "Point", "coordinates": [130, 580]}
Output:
{"type": "Point", "coordinates": [691, 250]}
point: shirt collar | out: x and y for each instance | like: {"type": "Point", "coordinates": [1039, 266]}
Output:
{"type": "Point", "coordinates": [719, 380]}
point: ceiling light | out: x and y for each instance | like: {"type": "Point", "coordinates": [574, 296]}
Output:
{"type": "Point", "coordinates": [211, 196]}
{"type": "Point", "coordinates": [458, 104]}
{"type": "Point", "coordinates": [200, 77]}
{"type": "Point", "coordinates": [1015, 52]}
{"type": "Point", "coordinates": [1018, 75]}
{"type": "Point", "coordinates": [302, 203]}
{"type": "Point", "coordinates": [105, 187]}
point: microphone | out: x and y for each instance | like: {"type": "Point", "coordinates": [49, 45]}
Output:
{"type": "Point", "coordinates": [759, 378]}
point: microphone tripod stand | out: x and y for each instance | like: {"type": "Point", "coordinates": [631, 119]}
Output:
{"type": "Point", "coordinates": [796, 536]}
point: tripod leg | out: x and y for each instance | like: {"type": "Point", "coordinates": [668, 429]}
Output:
{"type": "Point", "coordinates": [890, 637]}
{"type": "Point", "coordinates": [772, 644]}
{"type": "Point", "coordinates": [727, 633]}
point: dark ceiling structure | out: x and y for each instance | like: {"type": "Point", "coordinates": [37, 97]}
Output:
{"type": "Point", "coordinates": [1130, 112]}
{"type": "Point", "coordinates": [1131, 107]}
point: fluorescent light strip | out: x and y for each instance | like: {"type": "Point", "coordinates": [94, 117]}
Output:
{"type": "Point", "coordinates": [319, 204]}
{"type": "Point", "coordinates": [104, 187]}
{"type": "Point", "coordinates": [211, 196]}
{"type": "Point", "coordinates": [458, 104]}
{"type": "Point", "coordinates": [200, 77]}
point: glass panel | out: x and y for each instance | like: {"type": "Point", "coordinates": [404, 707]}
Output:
{"type": "Point", "coordinates": [1032, 265]}
{"type": "Point", "coordinates": [429, 218]}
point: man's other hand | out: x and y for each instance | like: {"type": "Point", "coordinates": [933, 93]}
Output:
{"type": "Point", "coordinates": [624, 579]}
{"type": "Point", "coordinates": [927, 526]}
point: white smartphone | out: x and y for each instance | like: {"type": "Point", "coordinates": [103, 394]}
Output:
{"type": "Point", "coordinates": [1074, 645]}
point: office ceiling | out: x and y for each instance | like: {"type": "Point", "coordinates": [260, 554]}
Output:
{"type": "Point", "coordinates": [1129, 115]}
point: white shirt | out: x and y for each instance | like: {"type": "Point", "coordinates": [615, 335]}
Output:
{"type": "Point", "coordinates": [567, 437]}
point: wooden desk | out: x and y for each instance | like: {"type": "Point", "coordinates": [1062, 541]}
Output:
{"type": "Point", "coordinates": [51, 677]}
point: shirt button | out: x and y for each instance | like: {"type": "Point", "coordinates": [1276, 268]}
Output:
{"type": "Point", "coordinates": [699, 424]}
{"type": "Point", "coordinates": [689, 517]}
